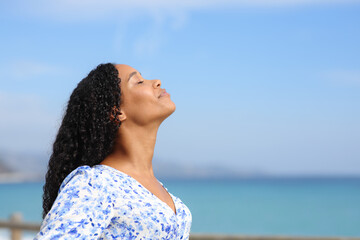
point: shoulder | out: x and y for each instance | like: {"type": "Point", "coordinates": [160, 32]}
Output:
{"type": "Point", "coordinates": [84, 206]}
{"type": "Point", "coordinates": [85, 186]}
{"type": "Point", "coordinates": [85, 177]}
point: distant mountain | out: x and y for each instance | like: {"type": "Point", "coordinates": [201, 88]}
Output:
{"type": "Point", "coordinates": [180, 170]}
{"type": "Point", "coordinates": [3, 167]}
{"type": "Point", "coordinates": [22, 167]}
{"type": "Point", "coordinates": [33, 166]}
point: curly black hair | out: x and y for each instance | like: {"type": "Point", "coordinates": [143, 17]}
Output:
{"type": "Point", "coordinates": [88, 129]}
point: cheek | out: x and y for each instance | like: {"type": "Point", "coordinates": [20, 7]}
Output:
{"type": "Point", "coordinates": [140, 104]}
{"type": "Point", "coordinates": [143, 97]}
{"type": "Point", "coordinates": [143, 107]}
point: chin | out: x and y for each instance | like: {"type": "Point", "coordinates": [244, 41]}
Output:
{"type": "Point", "coordinates": [173, 107]}
{"type": "Point", "coordinates": [170, 110]}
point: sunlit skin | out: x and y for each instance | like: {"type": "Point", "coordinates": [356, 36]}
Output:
{"type": "Point", "coordinates": [142, 112]}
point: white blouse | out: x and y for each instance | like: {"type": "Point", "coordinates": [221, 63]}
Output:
{"type": "Point", "coordinates": [101, 202]}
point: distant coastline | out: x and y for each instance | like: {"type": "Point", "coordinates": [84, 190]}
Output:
{"type": "Point", "coordinates": [14, 178]}
{"type": "Point", "coordinates": [17, 177]}
{"type": "Point", "coordinates": [26, 167]}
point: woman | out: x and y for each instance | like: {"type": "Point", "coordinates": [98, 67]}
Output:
{"type": "Point", "coordinates": [100, 182]}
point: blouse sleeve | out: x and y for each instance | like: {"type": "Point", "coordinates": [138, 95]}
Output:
{"type": "Point", "coordinates": [82, 209]}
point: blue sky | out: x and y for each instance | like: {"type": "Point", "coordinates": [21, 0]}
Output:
{"type": "Point", "coordinates": [266, 85]}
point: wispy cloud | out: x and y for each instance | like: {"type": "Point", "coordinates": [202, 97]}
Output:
{"type": "Point", "coordinates": [24, 69]}
{"type": "Point", "coordinates": [85, 10]}
{"type": "Point", "coordinates": [26, 123]}
{"type": "Point", "coordinates": [342, 77]}
{"type": "Point", "coordinates": [162, 14]}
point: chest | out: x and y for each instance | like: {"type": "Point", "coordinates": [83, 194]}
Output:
{"type": "Point", "coordinates": [143, 215]}
{"type": "Point", "coordinates": [156, 190]}
{"type": "Point", "coordinates": [145, 212]}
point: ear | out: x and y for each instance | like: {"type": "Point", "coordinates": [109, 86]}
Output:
{"type": "Point", "coordinates": [121, 117]}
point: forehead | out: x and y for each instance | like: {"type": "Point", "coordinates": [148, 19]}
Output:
{"type": "Point", "coordinates": [124, 71]}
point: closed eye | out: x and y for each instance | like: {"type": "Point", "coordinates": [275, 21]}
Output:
{"type": "Point", "coordinates": [140, 82]}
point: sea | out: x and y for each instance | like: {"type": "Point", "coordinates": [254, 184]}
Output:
{"type": "Point", "coordinates": [286, 206]}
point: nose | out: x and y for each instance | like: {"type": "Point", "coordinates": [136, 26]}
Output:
{"type": "Point", "coordinates": [157, 83]}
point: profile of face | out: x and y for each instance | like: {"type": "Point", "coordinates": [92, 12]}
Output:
{"type": "Point", "coordinates": [143, 101]}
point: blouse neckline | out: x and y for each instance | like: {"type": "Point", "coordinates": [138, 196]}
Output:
{"type": "Point", "coordinates": [146, 190]}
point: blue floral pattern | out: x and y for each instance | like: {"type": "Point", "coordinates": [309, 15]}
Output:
{"type": "Point", "coordinates": [101, 202]}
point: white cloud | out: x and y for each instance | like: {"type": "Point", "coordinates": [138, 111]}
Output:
{"type": "Point", "coordinates": [150, 41]}
{"type": "Point", "coordinates": [147, 42]}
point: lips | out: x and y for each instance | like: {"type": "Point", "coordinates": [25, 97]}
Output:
{"type": "Point", "coordinates": [163, 93]}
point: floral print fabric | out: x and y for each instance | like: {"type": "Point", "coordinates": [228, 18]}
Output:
{"type": "Point", "coordinates": [101, 202]}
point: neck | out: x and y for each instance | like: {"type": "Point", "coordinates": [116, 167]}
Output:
{"type": "Point", "coordinates": [134, 149]}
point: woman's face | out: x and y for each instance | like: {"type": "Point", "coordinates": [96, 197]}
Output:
{"type": "Point", "coordinates": [142, 102]}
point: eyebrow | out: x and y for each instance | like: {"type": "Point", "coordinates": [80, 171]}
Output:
{"type": "Point", "coordinates": [132, 74]}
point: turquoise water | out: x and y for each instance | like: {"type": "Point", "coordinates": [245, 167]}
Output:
{"type": "Point", "coordinates": [306, 207]}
